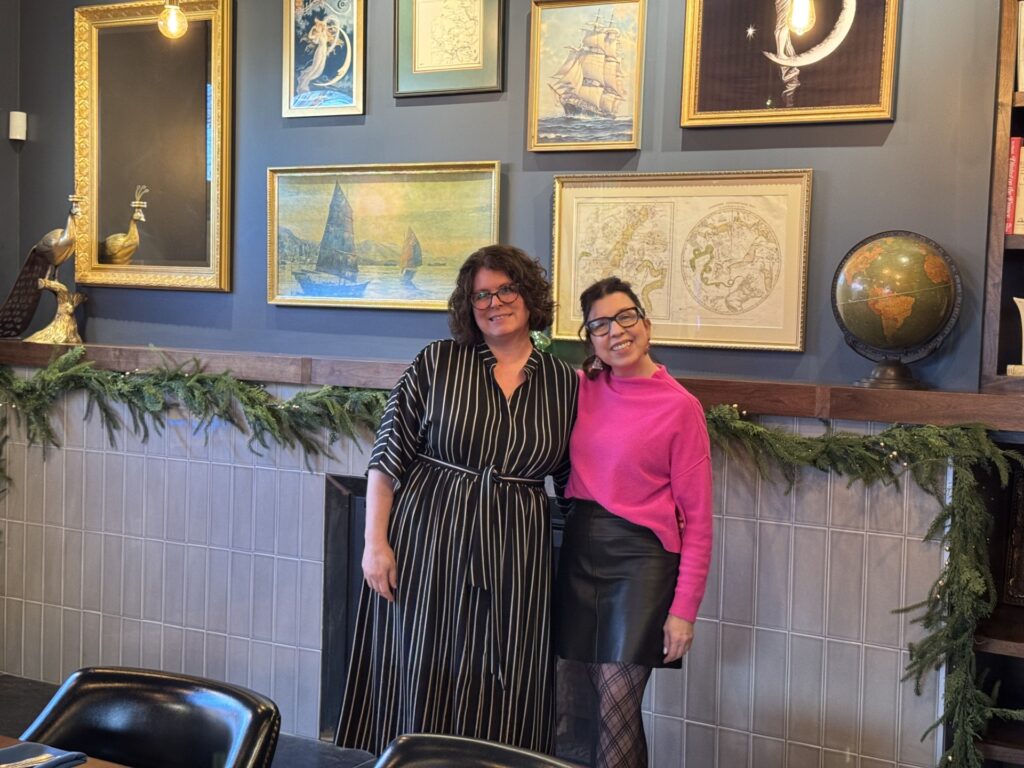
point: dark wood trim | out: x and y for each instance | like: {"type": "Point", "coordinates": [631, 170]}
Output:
{"type": "Point", "coordinates": [1003, 632]}
{"type": "Point", "coordinates": [776, 398]}
{"type": "Point", "coordinates": [1004, 742]}
{"type": "Point", "coordinates": [1004, 100]}
{"type": "Point", "coordinates": [1002, 385]}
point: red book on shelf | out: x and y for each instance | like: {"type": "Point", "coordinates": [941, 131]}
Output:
{"type": "Point", "coordinates": [1011, 183]}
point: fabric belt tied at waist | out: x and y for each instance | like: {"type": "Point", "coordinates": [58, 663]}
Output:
{"type": "Point", "coordinates": [488, 561]}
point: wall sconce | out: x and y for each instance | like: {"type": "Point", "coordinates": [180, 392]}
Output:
{"type": "Point", "coordinates": [172, 22]}
{"type": "Point", "coordinates": [18, 126]}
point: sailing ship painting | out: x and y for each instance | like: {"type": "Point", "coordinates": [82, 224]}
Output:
{"type": "Point", "coordinates": [377, 236]}
{"type": "Point", "coordinates": [586, 75]}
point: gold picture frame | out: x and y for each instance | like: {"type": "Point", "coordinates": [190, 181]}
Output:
{"type": "Point", "coordinates": [390, 236]}
{"type": "Point", "coordinates": [717, 259]}
{"type": "Point", "coordinates": [323, 58]}
{"type": "Point", "coordinates": [590, 98]}
{"type": "Point", "coordinates": [166, 140]}
{"type": "Point", "coordinates": [746, 63]}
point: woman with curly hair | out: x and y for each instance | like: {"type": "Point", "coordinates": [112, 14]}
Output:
{"type": "Point", "coordinates": [453, 633]}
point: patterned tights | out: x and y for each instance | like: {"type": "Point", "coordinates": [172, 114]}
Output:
{"type": "Point", "coordinates": [620, 690]}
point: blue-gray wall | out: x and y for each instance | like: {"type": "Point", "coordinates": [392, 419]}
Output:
{"type": "Point", "coordinates": [927, 171]}
{"type": "Point", "coordinates": [9, 24]}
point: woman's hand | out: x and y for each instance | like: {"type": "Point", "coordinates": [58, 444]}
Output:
{"type": "Point", "coordinates": [380, 570]}
{"type": "Point", "coordinates": [678, 638]}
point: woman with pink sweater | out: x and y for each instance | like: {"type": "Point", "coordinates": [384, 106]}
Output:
{"type": "Point", "coordinates": [637, 546]}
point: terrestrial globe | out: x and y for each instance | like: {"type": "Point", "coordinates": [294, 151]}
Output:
{"type": "Point", "coordinates": [896, 295]}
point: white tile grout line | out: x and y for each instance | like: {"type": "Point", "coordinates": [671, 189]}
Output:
{"type": "Point", "coordinates": [721, 603]}
{"type": "Point", "coordinates": [752, 658]}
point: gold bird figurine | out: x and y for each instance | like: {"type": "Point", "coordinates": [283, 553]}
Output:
{"type": "Point", "coordinates": [119, 248]}
{"type": "Point", "coordinates": [52, 250]}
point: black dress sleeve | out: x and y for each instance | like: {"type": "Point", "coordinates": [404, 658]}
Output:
{"type": "Point", "coordinates": [401, 433]}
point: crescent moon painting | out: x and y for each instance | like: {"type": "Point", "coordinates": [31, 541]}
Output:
{"type": "Point", "coordinates": [751, 62]}
{"type": "Point", "coordinates": [323, 57]}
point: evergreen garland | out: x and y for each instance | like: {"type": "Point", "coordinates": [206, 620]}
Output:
{"type": "Point", "coordinates": [943, 461]}
{"type": "Point", "coordinates": [312, 419]}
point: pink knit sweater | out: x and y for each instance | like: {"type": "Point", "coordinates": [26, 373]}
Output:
{"type": "Point", "coordinates": [640, 449]}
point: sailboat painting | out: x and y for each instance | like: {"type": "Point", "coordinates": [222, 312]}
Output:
{"type": "Point", "coordinates": [586, 74]}
{"type": "Point", "coordinates": [389, 236]}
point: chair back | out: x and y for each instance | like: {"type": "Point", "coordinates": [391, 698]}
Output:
{"type": "Point", "coordinates": [431, 750]}
{"type": "Point", "coordinates": [150, 719]}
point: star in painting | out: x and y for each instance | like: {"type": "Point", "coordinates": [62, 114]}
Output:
{"type": "Point", "coordinates": [751, 31]}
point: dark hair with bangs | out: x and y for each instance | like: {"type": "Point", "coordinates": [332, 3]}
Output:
{"type": "Point", "coordinates": [528, 276]}
{"type": "Point", "coordinates": [588, 298]}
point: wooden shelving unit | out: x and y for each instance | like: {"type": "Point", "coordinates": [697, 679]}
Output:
{"type": "Point", "coordinates": [1004, 278]}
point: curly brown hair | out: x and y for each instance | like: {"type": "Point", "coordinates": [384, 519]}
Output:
{"type": "Point", "coordinates": [526, 274]}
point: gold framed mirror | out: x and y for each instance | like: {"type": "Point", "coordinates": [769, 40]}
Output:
{"type": "Point", "coordinates": [153, 146]}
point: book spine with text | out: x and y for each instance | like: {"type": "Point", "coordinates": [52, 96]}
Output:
{"type": "Point", "coordinates": [1012, 175]}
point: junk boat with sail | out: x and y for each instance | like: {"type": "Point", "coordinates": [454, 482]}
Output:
{"type": "Point", "coordinates": [337, 268]}
{"type": "Point", "coordinates": [411, 257]}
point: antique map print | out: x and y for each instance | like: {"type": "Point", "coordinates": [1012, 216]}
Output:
{"type": "Point", "coordinates": [448, 35]}
{"type": "Point", "coordinates": [711, 266]}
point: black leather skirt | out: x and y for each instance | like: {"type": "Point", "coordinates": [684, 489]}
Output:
{"type": "Point", "coordinates": [614, 587]}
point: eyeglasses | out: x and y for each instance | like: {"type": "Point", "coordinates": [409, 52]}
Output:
{"type": "Point", "coordinates": [506, 295]}
{"type": "Point", "coordinates": [627, 318]}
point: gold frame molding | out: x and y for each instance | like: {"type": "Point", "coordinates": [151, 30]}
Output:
{"type": "Point", "coordinates": [274, 295]}
{"type": "Point", "coordinates": [679, 319]}
{"type": "Point", "coordinates": [537, 7]}
{"type": "Point", "coordinates": [89, 20]}
{"type": "Point", "coordinates": [692, 117]}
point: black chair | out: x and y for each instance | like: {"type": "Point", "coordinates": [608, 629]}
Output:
{"type": "Point", "coordinates": [429, 750]}
{"type": "Point", "coordinates": [151, 719]}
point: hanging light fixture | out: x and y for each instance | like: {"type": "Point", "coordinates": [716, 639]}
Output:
{"type": "Point", "coordinates": [801, 16]}
{"type": "Point", "coordinates": [172, 22]}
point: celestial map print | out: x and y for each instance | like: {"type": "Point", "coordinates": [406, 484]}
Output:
{"type": "Point", "coordinates": [731, 261]}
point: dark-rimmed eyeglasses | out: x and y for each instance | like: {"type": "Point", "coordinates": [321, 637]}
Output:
{"type": "Point", "coordinates": [506, 295]}
{"type": "Point", "coordinates": [627, 318]}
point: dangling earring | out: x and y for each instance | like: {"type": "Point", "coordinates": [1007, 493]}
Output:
{"type": "Point", "coordinates": [597, 365]}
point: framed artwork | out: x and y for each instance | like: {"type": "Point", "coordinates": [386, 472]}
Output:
{"type": "Point", "coordinates": [748, 62]}
{"type": "Point", "coordinates": [324, 53]}
{"type": "Point", "coordinates": [154, 171]}
{"type": "Point", "coordinates": [449, 46]}
{"type": "Point", "coordinates": [381, 236]}
{"type": "Point", "coordinates": [717, 259]}
{"type": "Point", "coordinates": [586, 74]}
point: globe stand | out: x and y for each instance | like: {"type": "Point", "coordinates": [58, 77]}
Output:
{"type": "Point", "coordinates": [895, 296]}
{"type": "Point", "coordinates": [891, 374]}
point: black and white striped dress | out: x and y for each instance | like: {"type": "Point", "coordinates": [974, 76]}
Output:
{"type": "Point", "coordinates": [465, 647]}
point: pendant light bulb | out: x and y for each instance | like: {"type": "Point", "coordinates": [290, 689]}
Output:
{"type": "Point", "coordinates": [801, 16]}
{"type": "Point", "coordinates": [172, 22]}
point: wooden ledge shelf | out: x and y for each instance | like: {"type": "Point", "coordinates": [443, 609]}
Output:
{"type": "Point", "coordinates": [773, 398]}
{"type": "Point", "coordinates": [1003, 632]}
{"type": "Point", "coordinates": [1004, 742]}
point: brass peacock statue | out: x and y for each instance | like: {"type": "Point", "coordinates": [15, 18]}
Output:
{"type": "Point", "coordinates": [119, 248]}
{"type": "Point", "coordinates": [46, 256]}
